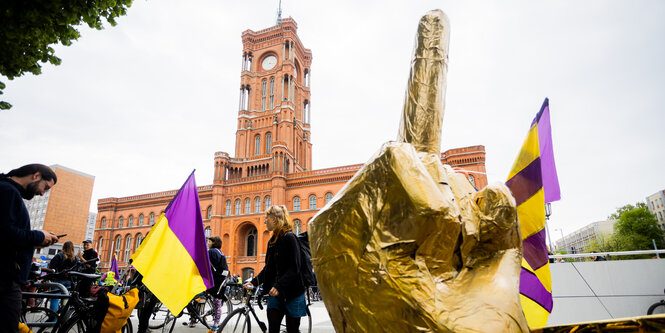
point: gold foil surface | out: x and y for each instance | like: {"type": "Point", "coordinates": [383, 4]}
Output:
{"type": "Point", "coordinates": [408, 245]}
{"type": "Point", "coordinates": [423, 102]}
{"type": "Point", "coordinates": [642, 324]}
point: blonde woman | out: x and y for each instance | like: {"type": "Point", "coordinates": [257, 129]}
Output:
{"type": "Point", "coordinates": [281, 274]}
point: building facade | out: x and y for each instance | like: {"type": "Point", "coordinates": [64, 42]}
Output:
{"type": "Point", "coordinates": [272, 164]}
{"type": "Point", "coordinates": [90, 227]}
{"type": "Point", "coordinates": [656, 203]}
{"type": "Point", "coordinates": [579, 240]}
{"type": "Point", "coordinates": [64, 209]}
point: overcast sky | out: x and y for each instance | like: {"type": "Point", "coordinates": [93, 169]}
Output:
{"type": "Point", "coordinates": [141, 104]}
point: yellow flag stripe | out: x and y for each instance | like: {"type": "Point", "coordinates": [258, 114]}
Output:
{"type": "Point", "coordinates": [168, 269]}
{"type": "Point", "coordinates": [530, 151]}
{"type": "Point", "coordinates": [531, 214]}
{"type": "Point", "coordinates": [536, 315]}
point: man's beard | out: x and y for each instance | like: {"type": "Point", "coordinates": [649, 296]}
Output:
{"type": "Point", "coordinates": [30, 190]}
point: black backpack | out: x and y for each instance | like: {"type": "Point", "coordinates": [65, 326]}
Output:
{"type": "Point", "coordinates": [306, 271]}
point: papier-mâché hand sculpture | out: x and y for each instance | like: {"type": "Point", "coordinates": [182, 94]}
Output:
{"type": "Point", "coordinates": [408, 245]}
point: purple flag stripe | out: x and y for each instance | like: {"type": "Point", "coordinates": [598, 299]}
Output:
{"type": "Point", "coordinates": [535, 250]}
{"type": "Point", "coordinates": [184, 217]}
{"type": "Point", "coordinates": [550, 178]}
{"type": "Point", "coordinates": [531, 287]}
{"type": "Point", "coordinates": [546, 104]}
{"type": "Point", "coordinates": [526, 182]}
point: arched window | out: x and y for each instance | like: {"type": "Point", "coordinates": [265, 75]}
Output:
{"type": "Point", "coordinates": [130, 221]}
{"type": "Point", "coordinates": [250, 250]}
{"type": "Point", "coordinates": [209, 212]}
{"type": "Point", "coordinates": [257, 145]}
{"type": "Point", "coordinates": [297, 226]}
{"type": "Point", "coordinates": [248, 206]}
{"type": "Point", "coordinates": [329, 197]}
{"type": "Point", "coordinates": [272, 92]}
{"type": "Point", "coordinates": [139, 239]}
{"type": "Point", "coordinates": [100, 245]}
{"type": "Point", "coordinates": [103, 223]}
{"type": "Point", "coordinates": [264, 89]}
{"type": "Point", "coordinates": [296, 204]}
{"type": "Point", "coordinates": [266, 201]}
{"type": "Point", "coordinates": [208, 232]}
{"type": "Point", "coordinates": [312, 201]}
{"type": "Point", "coordinates": [238, 212]}
{"type": "Point", "coordinates": [228, 207]}
{"type": "Point", "coordinates": [120, 221]}
{"type": "Point", "coordinates": [268, 142]}
{"type": "Point", "coordinates": [257, 205]}
{"type": "Point", "coordinates": [141, 220]}
{"type": "Point", "coordinates": [128, 247]}
{"type": "Point", "coordinates": [152, 218]}
{"type": "Point", "coordinates": [472, 180]}
{"type": "Point", "coordinates": [116, 248]}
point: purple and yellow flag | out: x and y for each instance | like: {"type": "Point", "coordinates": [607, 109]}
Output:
{"type": "Point", "coordinates": [114, 266]}
{"type": "Point", "coordinates": [173, 258]}
{"type": "Point", "coordinates": [534, 182]}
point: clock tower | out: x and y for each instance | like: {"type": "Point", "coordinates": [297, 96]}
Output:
{"type": "Point", "coordinates": [273, 132]}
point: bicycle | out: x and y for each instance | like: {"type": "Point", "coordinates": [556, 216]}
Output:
{"type": "Point", "coordinates": [240, 320]}
{"type": "Point", "coordinates": [76, 314]}
{"type": "Point", "coordinates": [234, 293]}
{"type": "Point", "coordinates": [198, 310]}
{"type": "Point", "coordinates": [654, 306]}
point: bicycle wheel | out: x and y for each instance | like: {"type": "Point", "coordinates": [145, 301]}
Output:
{"type": "Point", "coordinates": [660, 306]}
{"type": "Point", "coordinates": [75, 324]}
{"type": "Point", "coordinates": [128, 328]}
{"type": "Point", "coordinates": [156, 319]}
{"type": "Point", "coordinates": [38, 317]}
{"type": "Point", "coordinates": [169, 322]}
{"type": "Point", "coordinates": [236, 322]}
{"type": "Point", "coordinates": [209, 310]}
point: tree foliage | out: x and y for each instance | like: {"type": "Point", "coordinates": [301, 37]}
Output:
{"type": "Point", "coordinates": [635, 228]}
{"type": "Point", "coordinates": [29, 28]}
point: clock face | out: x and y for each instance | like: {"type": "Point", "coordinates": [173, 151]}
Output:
{"type": "Point", "coordinates": [269, 62]}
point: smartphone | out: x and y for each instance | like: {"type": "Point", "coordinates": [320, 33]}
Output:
{"type": "Point", "coordinates": [60, 236]}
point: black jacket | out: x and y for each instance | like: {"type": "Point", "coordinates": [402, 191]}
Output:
{"type": "Point", "coordinates": [282, 269]}
{"type": "Point", "coordinates": [59, 263]}
{"type": "Point", "coordinates": [87, 255]}
{"type": "Point", "coordinates": [218, 263]}
{"type": "Point", "coordinates": [17, 241]}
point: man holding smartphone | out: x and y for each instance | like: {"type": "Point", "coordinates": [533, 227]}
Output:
{"type": "Point", "coordinates": [17, 241]}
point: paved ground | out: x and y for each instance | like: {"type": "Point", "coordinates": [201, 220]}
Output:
{"type": "Point", "coordinates": [320, 321]}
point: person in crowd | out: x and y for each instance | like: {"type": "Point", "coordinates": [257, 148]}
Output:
{"type": "Point", "coordinates": [65, 259]}
{"type": "Point", "coordinates": [220, 270]}
{"type": "Point", "coordinates": [87, 254]}
{"type": "Point", "coordinates": [17, 240]}
{"type": "Point", "coordinates": [597, 258]}
{"type": "Point", "coordinates": [281, 274]}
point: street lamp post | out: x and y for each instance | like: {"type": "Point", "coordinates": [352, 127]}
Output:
{"type": "Point", "coordinates": [548, 212]}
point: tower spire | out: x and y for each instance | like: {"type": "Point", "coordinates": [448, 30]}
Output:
{"type": "Point", "coordinates": [279, 13]}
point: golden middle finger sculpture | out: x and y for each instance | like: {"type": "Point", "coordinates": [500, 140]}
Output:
{"type": "Point", "coordinates": [408, 245]}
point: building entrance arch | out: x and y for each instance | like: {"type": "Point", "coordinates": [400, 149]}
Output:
{"type": "Point", "coordinates": [247, 273]}
{"type": "Point", "coordinates": [247, 236]}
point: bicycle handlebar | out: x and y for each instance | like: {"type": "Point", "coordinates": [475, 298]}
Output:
{"type": "Point", "coordinates": [63, 273]}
